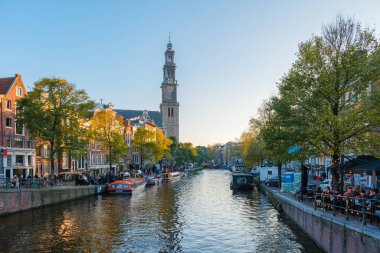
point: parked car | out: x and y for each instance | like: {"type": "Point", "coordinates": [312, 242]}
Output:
{"type": "Point", "coordinates": [272, 182]}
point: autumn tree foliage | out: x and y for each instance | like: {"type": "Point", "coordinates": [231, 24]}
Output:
{"type": "Point", "coordinates": [107, 128]}
{"type": "Point", "coordinates": [54, 113]}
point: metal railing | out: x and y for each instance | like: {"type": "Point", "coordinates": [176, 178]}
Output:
{"type": "Point", "coordinates": [29, 183]}
{"type": "Point", "coordinates": [351, 207]}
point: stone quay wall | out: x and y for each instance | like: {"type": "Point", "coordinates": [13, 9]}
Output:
{"type": "Point", "coordinates": [17, 201]}
{"type": "Point", "coordinates": [331, 233]}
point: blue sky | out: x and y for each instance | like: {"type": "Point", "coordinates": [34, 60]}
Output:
{"type": "Point", "coordinates": [229, 54]}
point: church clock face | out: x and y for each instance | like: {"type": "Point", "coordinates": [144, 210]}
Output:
{"type": "Point", "coordinates": [170, 80]}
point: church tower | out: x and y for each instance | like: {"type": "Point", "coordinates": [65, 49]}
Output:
{"type": "Point", "coordinates": [169, 106]}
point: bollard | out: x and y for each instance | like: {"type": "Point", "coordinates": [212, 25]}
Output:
{"type": "Point", "coordinates": [364, 221]}
{"type": "Point", "coordinates": [346, 211]}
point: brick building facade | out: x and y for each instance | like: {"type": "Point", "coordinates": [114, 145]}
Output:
{"type": "Point", "coordinates": [17, 147]}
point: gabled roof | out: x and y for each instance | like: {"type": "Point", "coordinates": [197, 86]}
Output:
{"type": "Point", "coordinates": [5, 84]}
{"type": "Point", "coordinates": [130, 114]}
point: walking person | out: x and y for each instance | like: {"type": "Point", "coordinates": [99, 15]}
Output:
{"type": "Point", "coordinates": [17, 182]}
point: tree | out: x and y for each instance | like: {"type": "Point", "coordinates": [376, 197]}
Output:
{"type": "Point", "coordinates": [107, 128]}
{"type": "Point", "coordinates": [54, 112]}
{"type": "Point", "coordinates": [144, 143]}
{"type": "Point", "coordinates": [332, 91]}
{"type": "Point", "coordinates": [183, 153]}
{"type": "Point", "coordinates": [162, 146]}
{"type": "Point", "coordinates": [250, 152]}
{"type": "Point", "coordinates": [201, 154]}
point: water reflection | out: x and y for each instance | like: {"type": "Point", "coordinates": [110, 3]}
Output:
{"type": "Point", "coordinates": [199, 213]}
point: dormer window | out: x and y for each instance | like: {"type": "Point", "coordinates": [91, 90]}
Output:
{"type": "Point", "coordinates": [9, 105]}
{"type": "Point", "coordinates": [18, 91]}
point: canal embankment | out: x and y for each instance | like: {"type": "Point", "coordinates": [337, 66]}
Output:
{"type": "Point", "coordinates": [13, 201]}
{"type": "Point", "coordinates": [331, 233]}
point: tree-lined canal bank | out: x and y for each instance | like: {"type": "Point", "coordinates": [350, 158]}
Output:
{"type": "Point", "coordinates": [198, 213]}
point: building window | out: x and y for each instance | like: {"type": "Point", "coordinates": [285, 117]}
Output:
{"type": "Point", "coordinates": [172, 112]}
{"type": "Point", "coordinates": [19, 142]}
{"type": "Point", "coordinates": [39, 150]}
{"type": "Point", "coordinates": [8, 122]}
{"type": "Point", "coordinates": [93, 159]}
{"type": "Point", "coordinates": [47, 151]}
{"type": "Point", "coordinates": [30, 160]}
{"type": "Point", "coordinates": [20, 160]}
{"type": "Point", "coordinates": [18, 91]}
{"type": "Point", "coordinates": [9, 105]}
{"type": "Point", "coordinates": [9, 160]}
{"type": "Point", "coordinates": [29, 144]}
{"type": "Point", "coordinates": [169, 112]}
{"type": "Point", "coordinates": [19, 129]}
{"type": "Point", "coordinates": [9, 141]}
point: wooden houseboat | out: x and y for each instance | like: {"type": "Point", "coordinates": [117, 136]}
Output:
{"type": "Point", "coordinates": [171, 176]}
{"type": "Point", "coordinates": [241, 179]}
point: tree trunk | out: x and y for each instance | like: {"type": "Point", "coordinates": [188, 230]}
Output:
{"type": "Point", "coordinates": [70, 162]}
{"type": "Point", "coordinates": [305, 177]}
{"type": "Point", "coordinates": [60, 161]}
{"type": "Point", "coordinates": [279, 166]}
{"type": "Point", "coordinates": [334, 175]}
{"type": "Point", "coordinates": [141, 159]}
{"type": "Point", "coordinates": [51, 158]}
{"type": "Point", "coordinates": [110, 160]}
{"type": "Point", "coordinates": [341, 172]}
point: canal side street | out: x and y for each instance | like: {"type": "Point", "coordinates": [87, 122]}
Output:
{"type": "Point", "coordinates": [333, 232]}
{"type": "Point", "coordinates": [13, 200]}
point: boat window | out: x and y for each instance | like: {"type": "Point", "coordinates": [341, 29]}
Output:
{"type": "Point", "coordinates": [241, 180]}
{"type": "Point", "coordinates": [113, 186]}
{"type": "Point", "coordinates": [125, 186]}
{"type": "Point", "coordinates": [119, 186]}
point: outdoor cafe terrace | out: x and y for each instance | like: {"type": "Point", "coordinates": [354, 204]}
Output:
{"type": "Point", "coordinates": [363, 213]}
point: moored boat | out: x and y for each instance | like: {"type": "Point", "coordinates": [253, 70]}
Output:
{"type": "Point", "coordinates": [171, 176]}
{"type": "Point", "coordinates": [126, 186]}
{"type": "Point", "coordinates": [152, 181]}
{"type": "Point", "coordinates": [241, 179]}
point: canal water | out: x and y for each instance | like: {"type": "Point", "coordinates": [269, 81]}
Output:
{"type": "Point", "coordinates": [198, 213]}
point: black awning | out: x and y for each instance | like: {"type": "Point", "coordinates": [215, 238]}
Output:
{"type": "Point", "coordinates": [367, 168]}
{"type": "Point", "coordinates": [354, 163]}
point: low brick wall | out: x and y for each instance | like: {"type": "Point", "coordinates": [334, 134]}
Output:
{"type": "Point", "coordinates": [331, 233]}
{"type": "Point", "coordinates": [17, 201]}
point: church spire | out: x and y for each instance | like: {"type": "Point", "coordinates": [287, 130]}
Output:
{"type": "Point", "coordinates": [170, 45]}
{"type": "Point", "coordinates": [169, 67]}
{"type": "Point", "coordinates": [169, 106]}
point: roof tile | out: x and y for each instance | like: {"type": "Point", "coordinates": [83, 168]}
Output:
{"type": "Point", "coordinates": [5, 83]}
